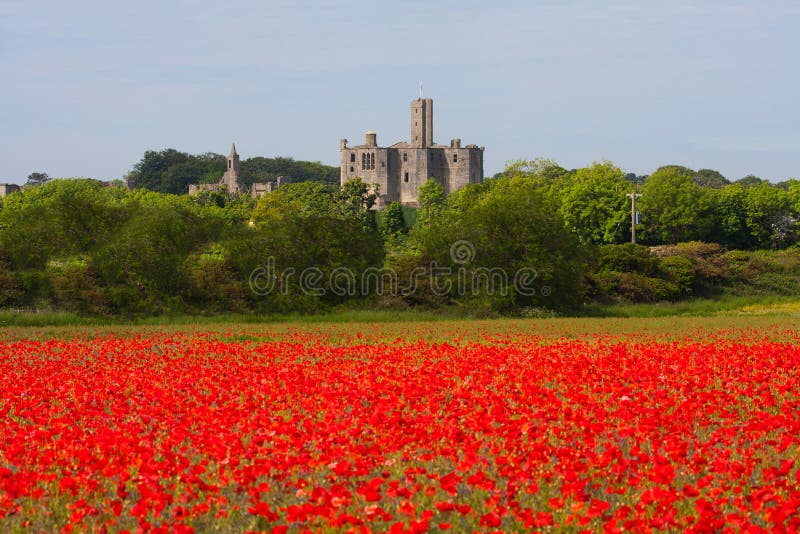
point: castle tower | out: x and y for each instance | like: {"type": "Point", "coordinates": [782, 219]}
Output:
{"type": "Point", "coordinates": [231, 177]}
{"type": "Point", "coordinates": [422, 123]}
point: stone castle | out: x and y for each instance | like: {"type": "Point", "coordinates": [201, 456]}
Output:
{"type": "Point", "coordinates": [398, 170]}
{"type": "Point", "coordinates": [401, 169]}
{"type": "Point", "coordinates": [230, 180]}
{"type": "Point", "coordinates": [7, 189]}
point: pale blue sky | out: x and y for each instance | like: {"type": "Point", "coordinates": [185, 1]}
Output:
{"type": "Point", "coordinates": [89, 85]}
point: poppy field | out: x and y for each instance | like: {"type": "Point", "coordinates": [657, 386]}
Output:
{"type": "Point", "coordinates": [431, 427]}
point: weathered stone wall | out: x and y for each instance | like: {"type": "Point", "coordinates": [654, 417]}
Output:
{"type": "Point", "coordinates": [7, 189]}
{"type": "Point", "coordinates": [401, 169]}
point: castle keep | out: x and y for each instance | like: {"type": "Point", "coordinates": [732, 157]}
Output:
{"type": "Point", "coordinates": [401, 169]}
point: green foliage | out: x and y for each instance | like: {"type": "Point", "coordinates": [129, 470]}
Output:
{"type": "Point", "coordinates": [431, 202]}
{"type": "Point", "coordinates": [680, 271]}
{"type": "Point", "coordinates": [410, 216]}
{"type": "Point", "coordinates": [280, 254]}
{"type": "Point", "coordinates": [750, 180]}
{"type": "Point", "coordinates": [594, 205]}
{"type": "Point", "coordinates": [76, 287]}
{"type": "Point", "coordinates": [143, 263]}
{"type": "Point", "coordinates": [636, 273]}
{"type": "Point", "coordinates": [10, 286]}
{"type": "Point", "coordinates": [627, 257]}
{"type": "Point", "coordinates": [164, 171]}
{"type": "Point", "coordinates": [503, 229]}
{"type": "Point", "coordinates": [674, 208]}
{"type": "Point", "coordinates": [37, 178]}
{"type": "Point", "coordinates": [260, 169]}
{"type": "Point", "coordinates": [313, 226]}
{"type": "Point", "coordinates": [306, 198]}
{"type": "Point", "coordinates": [766, 211]}
{"type": "Point", "coordinates": [62, 217]}
{"type": "Point", "coordinates": [77, 246]}
{"type": "Point", "coordinates": [629, 272]}
{"type": "Point", "coordinates": [749, 265]}
{"type": "Point", "coordinates": [391, 223]}
{"type": "Point", "coordinates": [171, 171]}
{"type": "Point", "coordinates": [540, 170]}
{"type": "Point", "coordinates": [710, 178]}
{"type": "Point", "coordinates": [354, 200]}
{"type": "Point", "coordinates": [730, 216]}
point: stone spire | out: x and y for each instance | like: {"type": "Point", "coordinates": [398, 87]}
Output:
{"type": "Point", "coordinates": [231, 177]}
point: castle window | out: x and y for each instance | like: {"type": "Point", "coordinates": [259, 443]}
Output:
{"type": "Point", "coordinates": [455, 158]}
{"type": "Point", "coordinates": [363, 160]}
{"type": "Point", "coordinates": [352, 158]}
{"type": "Point", "coordinates": [405, 178]}
{"type": "Point", "coordinates": [351, 169]}
{"type": "Point", "coordinates": [383, 164]}
{"type": "Point", "coordinates": [230, 162]}
{"type": "Point", "coordinates": [405, 156]}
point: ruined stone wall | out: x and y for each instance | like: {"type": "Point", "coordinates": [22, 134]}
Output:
{"type": "Point", "coordinates": [400, 170]}
{"type": "Point", "coordinates": [7, 189]}
{"type": "Point", "coordinates": [371, 164]}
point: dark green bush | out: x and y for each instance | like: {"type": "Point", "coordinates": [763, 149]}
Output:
{"type": "Point", "coordinates": [680, 271]}
{"type": "Point", "coordinates": [626, 258]}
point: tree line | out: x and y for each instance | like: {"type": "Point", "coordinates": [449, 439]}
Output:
{"type": "Point", "coordinates": [172, 171]}
{"type": "Point", "coordinates": [535, 237]}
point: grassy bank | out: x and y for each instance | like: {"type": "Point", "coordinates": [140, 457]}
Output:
{"type": "Point", "coordinates": [728, 305]}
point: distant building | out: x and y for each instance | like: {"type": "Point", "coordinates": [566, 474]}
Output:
{"type": "Point", "coordinates": [401, 169]}
{"type": "Point", "coordinates": [230, 180]}
{"type": "Point", "coordinates": [7, 189]}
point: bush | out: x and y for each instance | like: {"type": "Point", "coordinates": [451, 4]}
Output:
{"type": "Point", "coordinates": [626, 258]}
{"type": "Point", "coordinates": [782, 284]}
{"type": "Point", "coordinates": [76, 288]}
{"type": "Point", "coordinates": [633, 287]}
{"type": "Point", "coordinates": [500, 244]}
{"type": "Point", "coordinates": [680, 271]}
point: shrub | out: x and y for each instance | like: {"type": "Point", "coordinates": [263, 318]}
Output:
{"type": "Point", "coordinates": [680, 271]}
{"type": "Point", "coordinates": [626, 258]}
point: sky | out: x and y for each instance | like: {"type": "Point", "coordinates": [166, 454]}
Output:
{"type": "Point", "coordinates": [89, 85]}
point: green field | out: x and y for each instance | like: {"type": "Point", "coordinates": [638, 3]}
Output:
{"type": "Point", "coordinates": [779, 322]}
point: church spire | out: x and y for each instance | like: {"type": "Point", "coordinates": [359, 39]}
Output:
{"type": "Point", "coordinates": [233, 149]}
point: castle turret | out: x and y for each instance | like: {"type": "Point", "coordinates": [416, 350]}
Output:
{"type": "Point", "coordinates": [231, 177]}
{"type": "Point", "coordinates": [422, 123]}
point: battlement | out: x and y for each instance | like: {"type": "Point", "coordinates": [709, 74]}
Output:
{"type": "Point", "coordinates": [402, 168]}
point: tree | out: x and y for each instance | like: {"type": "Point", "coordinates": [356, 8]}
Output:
{"type": "Point", "coordinates": [674, 208]}
{"type": "Point", "coordinates": [541, 170]}
{"type": "Point", "coordinates": [431, 201]}
{"type": "Point", "coordinates": [143, 264]}
{"type": "Point", "coordinates": [59, 218]}
{"type": "Point", "coordinates": [749, 180]}
{"type": "Point", "coordinates": [151, 172]}
{"type": "Point", "coordinates": [730, 217]}
{"type": "Point", "coordinates": [710, 178]}
{"type": "Point", "coordinates": [37, 178]}
{"type": "Point", "coordinates": [504, 245]}
{"type": "Point", "coordinates": [767, 215]}
{"type": "Point", "coordinates": [392, 223]}
{"type": "Point", "coordinates": [355, 199]}
{"type": "Point", "coordinates": [594, 205]}
{"type": "Point", "coordinates": [260, 169]}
